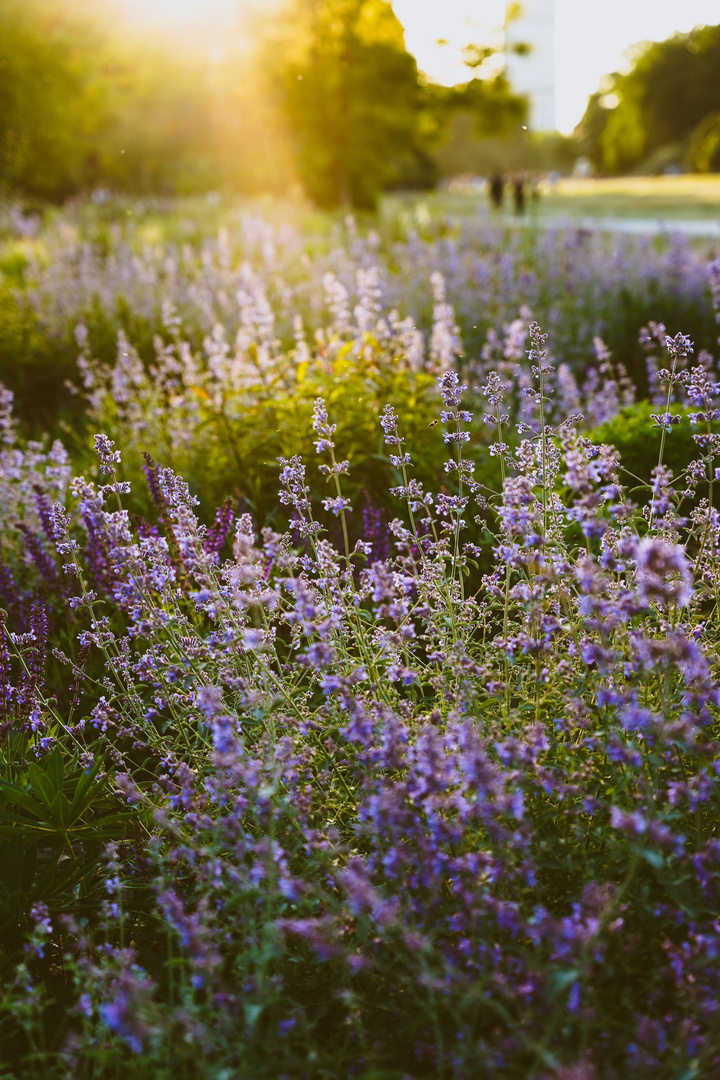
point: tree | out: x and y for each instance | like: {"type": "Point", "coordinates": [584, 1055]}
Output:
{"type": "Point", "coordinates": [496, 110]}
{"type": "Point", "coordinates": [87, 101]}
{"type": "Point", "coordinates": [334, 100]}
{"type": "Point", "coordinates": [653, 110]}
{"type": "Point", "coordinates": [704, 151]}
{"type": "Point", "coordinates": [352, 98]}
{"type": "Point", "coordinates": [51, 96]}
{"type": "Point", "coordinates": [482, 123]}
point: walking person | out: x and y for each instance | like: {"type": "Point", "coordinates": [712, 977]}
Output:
{"type": "Point", "coordinates": [519, 194]}
{"type": "Point", "coordinates": [497, 189]}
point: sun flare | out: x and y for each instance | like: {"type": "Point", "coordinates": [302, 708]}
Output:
{"type": "Point", "coordinates": [201, 23]}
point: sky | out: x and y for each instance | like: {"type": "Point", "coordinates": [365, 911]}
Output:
{"type": "Point", "coordinates": [592, 36]}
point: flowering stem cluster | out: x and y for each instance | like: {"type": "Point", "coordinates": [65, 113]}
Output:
{"type": "Point", "coordinates": [273, 808]}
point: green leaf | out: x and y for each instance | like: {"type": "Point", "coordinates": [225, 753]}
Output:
{"type": "Point", "coordinates": [17, 866]}
{"type": "Point", "coordinates": [654, 858]}
{"type": "Point", "coordinates": [252, 1014]}
{"type": "Point", "coordinates": [60, 810]}
{"type": "Point", "coordinates": [55, 768]}
{"type": "Point", "coordinates": [17, 797]}
{"type": "Point", "coordinates": [42, 784]}
{"type": "Point", "coordinates": [87, 791]}
{"type": "Point", "coordinates": [561, 980]}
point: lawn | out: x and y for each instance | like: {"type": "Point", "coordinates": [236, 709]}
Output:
{"type": "Point", "coordinates": [669, 198]}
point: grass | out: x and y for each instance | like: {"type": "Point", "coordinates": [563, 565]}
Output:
{"type": "Point", "coordinates": [666, 197]}
{"type": "Point", "coordinates": [638, 196]}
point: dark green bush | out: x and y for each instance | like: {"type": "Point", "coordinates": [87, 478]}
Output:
{"type": "Point", "coordinates": [634, 434]}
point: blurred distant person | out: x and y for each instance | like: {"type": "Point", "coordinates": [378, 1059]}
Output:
{"type": "Point", "coordinates": [497, 190]}
{"type": "Point", "coordinates": [535, 191]}
{"type": "Point", "coordinates": [519, 195]}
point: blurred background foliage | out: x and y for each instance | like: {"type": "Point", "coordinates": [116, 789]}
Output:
{"type": "Point", "coordinates": [356, 108]}
{"type": "Point", "coordinates": [54, 97]}
{"type": "Point", "coordinates": [664, 113]}
{"type": "Point", "coordinates": [88, 104]}
{"type": "Point", "coordinates": [326, 97]}
{"type": "Point", "coordinates": [319, 96]}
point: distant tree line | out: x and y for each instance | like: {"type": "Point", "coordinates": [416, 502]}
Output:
{"type": "Point", "coordinates": [328, 98]}
{"type": "Point", "coordinates": [664, 112]}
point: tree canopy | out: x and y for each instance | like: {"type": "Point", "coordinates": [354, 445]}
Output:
{"type": "Point", "coordinates": [361, 117]}
{"type": "Point", "coordinates": [661, 111]}
{"type": "Point", "coordinates": [85, 102]}
{"type": "Point", "coordinates": [52, 95]}
{"type": "Point", "coordinates": [353, 100]}
{"type": "Point", "coordinates": [328, 96]}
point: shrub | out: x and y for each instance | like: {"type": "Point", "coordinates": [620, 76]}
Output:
{"type": "Point", "coordinates": [114, 267]}
{"type": "Point", "coordinates": [633, 433]}
{"type": "Point", "coordinates": [384, 825]}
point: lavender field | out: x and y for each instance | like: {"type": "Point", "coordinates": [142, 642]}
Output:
{"type": "Point", "coordinates": [359, 677]}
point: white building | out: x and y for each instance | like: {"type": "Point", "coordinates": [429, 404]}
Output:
{"type": "Point", "coordinates": [534, 74]}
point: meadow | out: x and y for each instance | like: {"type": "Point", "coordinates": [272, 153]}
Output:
{"type": "Point", "coordinates": [359, 680]}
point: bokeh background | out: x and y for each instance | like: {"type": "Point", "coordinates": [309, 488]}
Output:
{"type": "Point", "coordinates": [346, 99]}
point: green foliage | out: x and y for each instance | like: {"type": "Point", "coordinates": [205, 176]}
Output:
{"type": "Point", "coordinates": [495, 109]}
{"type": "Point", "coordinates": [54, 817]}
{"type": "Point", "coordinates": [352, 96]}
{"type": "Point", "coordinates": [51, 97]}
{"type": "Point", "coordinates": [624, 138]}
{"type": "Point", "coordinates": [704, 153]}
{"type": "Point", "coordinates": [670, 92]}
{"type": "Point", "coordinates": [179, 124]}
{"type": "Point", "coordinates": [34, 363]}
{"type": "Point", "coordinates": [466, 148]}
{"type": "Point", "coordinates": [237, 438]}
{"type": "Point", "coordinates": [334, 102]}
{"type": "Point", "coordinates": [635, 435]}
{"type": "Point", "coordinates": [84, 103]}
{"type": "Point", "coordinates": [54, 807]}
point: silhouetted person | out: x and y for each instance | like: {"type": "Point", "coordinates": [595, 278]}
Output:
{"type": "Point", "coordinates": [497, 187]}
{"type": "Point", "coordinates": [534, 192]}
{"type": "Point", "coordinates": [519, 195]}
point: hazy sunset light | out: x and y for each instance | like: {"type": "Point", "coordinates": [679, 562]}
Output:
{"type": "Point", "coordinates": [591, 38]}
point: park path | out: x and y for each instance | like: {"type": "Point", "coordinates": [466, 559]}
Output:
{"type": "Point", "coordinates": [656, 226]}
{"type": "Point", "coordinates": [700, 227]}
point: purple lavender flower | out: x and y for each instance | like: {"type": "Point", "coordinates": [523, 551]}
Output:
{"type": "Point", "coordinates": [11, 598]}
{"type": "Point", "coordinates": [42, 930]}
{"type": "Point", "coordinates": [219, 531]}
{"type": "Point", "coordinates": [109, 458]}
{"type": "Point", "coordinates": [374, 529]}
{"type": "Point", "coordinates": [663, 573]}
{"type": "Point", "coordinates": [125, 1013]}
{"type": "Point", "coordinates": [44, 563]}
